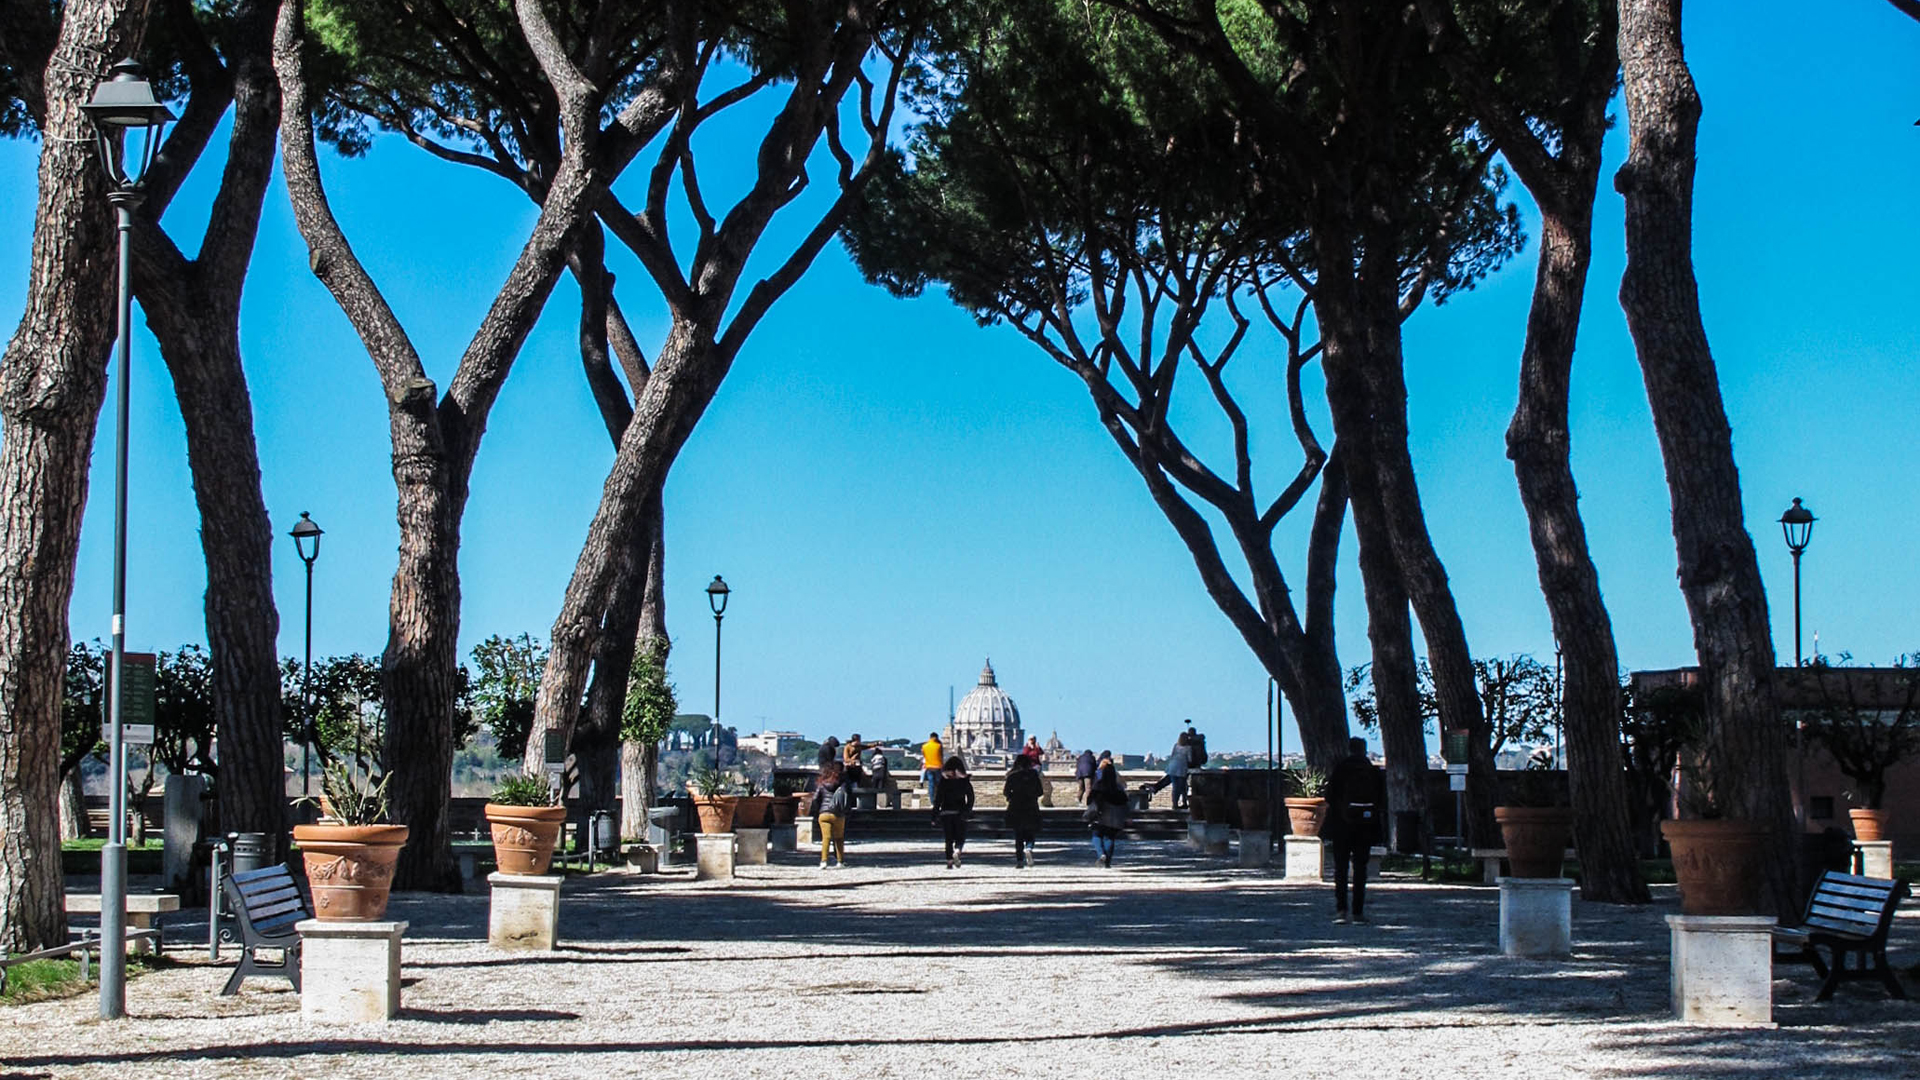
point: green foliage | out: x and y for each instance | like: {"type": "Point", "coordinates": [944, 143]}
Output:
{"type": "Point", "coordinates": [709, 781]}
{"type": "Point", "coordinates": [82, 705]}
{"type": "Point", "coordinates": [525, 790]}
{"type": "Point", "coordinates": [1306, 784]}
{"type": "Point", "coordinates": [1866, 739]}
{"type": "Point", "coordinates": [651, 705]}
{"type": "Point", "coordinates": [343, 714]}
{"type": "Point", "coordinates": [506, 684]}
{"type": "Point", "coordinates": [1519, 696]}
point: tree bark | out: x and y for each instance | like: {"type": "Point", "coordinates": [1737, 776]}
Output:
{"type": "Point", "coordinates": [52, 383]}
{"type": "Point", "coordinates": [73, 807]}
{"type": "Point", "coordinates": [193, 309]}
{"type": "Point", "coordinates": [1396, 675]}
{"type": "Point", "coordinates": [639, 763]}
{"type": "Point", "coordinates": [1719, 574]}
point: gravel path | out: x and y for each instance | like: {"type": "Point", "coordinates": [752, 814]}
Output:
{"type": "Point", "coordinates": [1168, 965]}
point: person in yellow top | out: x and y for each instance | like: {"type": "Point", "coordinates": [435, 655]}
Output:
{"type": "Point", "coordinates": [932, 756]}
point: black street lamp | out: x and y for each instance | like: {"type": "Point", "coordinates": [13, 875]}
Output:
{"type": "Point", "coordinates": [717, 599]}
{"type": "Point", "coordinates": [120, 107]}
{"type": "Point", "coordinates": [306, 541]}
{"type": "Point", "coordinates": [1797, 525]}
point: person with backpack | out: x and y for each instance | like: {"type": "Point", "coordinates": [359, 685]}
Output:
{"type": "Point", "coordinates": [1023, 790]}
{"type": "Point", "coordinates": [832, 801]}
{"type": "Point", "coordinates": [1356, 803]}
{"type": "Point", "coordinates": [1196, 748]}
{"type": "Point", "coordinates": [953, 805]}
{"type": "Point", "coordinates": [1106, 812]}
{"type": "Point", "coordinates": [1083, 770]}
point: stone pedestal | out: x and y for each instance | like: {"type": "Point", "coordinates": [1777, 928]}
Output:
{"type": "Point", "coordinates": [1536, 916]}
{"type": "Point", "coordinates": [784, 837]}
{"type": "Point", "coordinates": [715, 856]}
{"type": "Point", "coordinates": [750, 846]}
{"type": "Point", "coordinates": [1217, 837]}
{"type": "Point", "coordinates": [350, 971]}
{"type": "Point", "coordinates": [183, 815]}
{"type": "Point", "coordinates": [1197, 835]}
{"type": "Point", "coordinates": [1306, 859]}
{"type": "Point", "coordinates": [805, 833]}
{"type": "Point", "coordinates": [1256, 847]}
{"type": "Point", "coordinates": [1875, 858]}
{"type": "Point", "coordinates": [1723, 969]}
{"type": "Point", "coordinates": [525, 913]}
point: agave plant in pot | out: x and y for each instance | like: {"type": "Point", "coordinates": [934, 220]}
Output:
{"type": "Point", "coordinates": [711, 802]}
{"type": "Point", "coordinates": [1719, 861]}
{"type": "Point", "coordinates": [751, 809]}
{"type": "Point", "coordinates": [1306, 801]}
{"type": "Point", "coordinates": [351, 851]}
{"type": "Point", "coordinates": [1534, 824]}
{"type": "Point", "coordinates": [786, 803]}
{"type": "Point", "coordinates": [526, 815]}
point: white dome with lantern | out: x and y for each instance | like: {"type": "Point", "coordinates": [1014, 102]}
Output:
{"type": "Point", "coordinates": [986, 723]}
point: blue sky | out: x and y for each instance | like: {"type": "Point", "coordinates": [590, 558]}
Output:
{"type": "Point", "coordinates": [894, 493]}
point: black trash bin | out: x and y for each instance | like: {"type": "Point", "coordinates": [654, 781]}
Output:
{"type": "Point", "coordinates": [1406, 832]}
{"type": "Point", "coordinates": [251, 851]}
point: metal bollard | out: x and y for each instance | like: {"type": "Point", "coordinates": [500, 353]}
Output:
{"type": "Point", "coordinates": [213, 901]}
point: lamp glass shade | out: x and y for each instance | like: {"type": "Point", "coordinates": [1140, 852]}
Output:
{"type": "Point", "coordinates": [306, 537]}
{"type": "Point", "coordinates": [1797, 525]}
{"type": "Point", "coordinates": [717, 595]}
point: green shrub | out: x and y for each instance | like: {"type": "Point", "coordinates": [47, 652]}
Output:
{"type": "Point", "coordinates": [525, 790]}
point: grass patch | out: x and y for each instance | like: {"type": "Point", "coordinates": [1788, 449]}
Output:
{"type": "Point", "coordinates": [46, 980]}
{"type": "Point", "coordinates": [82, 857]}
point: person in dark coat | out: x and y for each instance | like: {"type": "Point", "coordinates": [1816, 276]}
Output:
{"type": "Point", "coordinates": [1356, 803]}
{"type": "Point", "coordinates": [829, 752]}
{"type": "Point", "coordinates": [952, 806]}
{"type": "Point", "coordinates": [1107, 810]}
{"type": "Point", "coordinates": [1022, 790]}
{"type": "Point", "coordinates": [1083, 772]}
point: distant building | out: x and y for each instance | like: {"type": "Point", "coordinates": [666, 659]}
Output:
{"type": "Point", "coordinates": [772, 743]}
{"type": "Point", "coordinates": [986, 724]}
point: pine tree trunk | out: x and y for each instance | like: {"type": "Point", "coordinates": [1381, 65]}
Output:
{"type": "Point", "coordinates": [52, 383]}
{"type": "Point", "coordinates": [1539, 443]}
{"type": "Point", "coordinates": [1719, 574]}
{"type": "Point", "coordinates": [73, 807]}
{"type": "Point", "coordinates": [596, 743]}
{"type": "Point", "coordinates": [1396, 678]}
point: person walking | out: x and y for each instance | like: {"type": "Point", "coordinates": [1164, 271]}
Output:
{"type": "Point", "coordinates": [879, 773]}
{"type": "Point", "coordinates": [1356, 802]}
{"type": "Point", "coordinates": [1083, 772]}
{"type": "Point", "coordinates": [952, 805]}
{"type": "Point", "coordinates": [1022, 791]}
{"type": "Point", "coordinates": [831, 802]}
{"type": "Point", "coordinates": [1107, 810]}
{"type": "Point", "coordinates": [1179, 764]}
{"type": "Point", "coordinates": [829, 752]}
{"type": "Point", "coordinates": [932, 754]}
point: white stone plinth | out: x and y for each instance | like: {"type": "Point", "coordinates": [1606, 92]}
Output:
{"type": "Point", "coordinates": [750, 846]}
{"type": "Point", "coordinates": [1306, 861]}
{"type": "Point", "coordinates": [1876, 858]}
{"type": "Point", "coordinates": [805, 832]}
{"type": "Point", "coordinates": [1197, 835]}
{"type": "Point", "coordinates": [1536, 916]}
{"type": "Point", "coordinates": [350, 971]}
{"type": "Point", "coordinates": [1256, 847]}
{"type": "Point", "coordinates": [1216, 838]}
{"type": "Point", "coordinates": [784, 838]}
{"type": "Point", "coordinates": [644, 858]}
{"type": "Point", "coordinates": [715, 854]}
{"type": "Point", "coordinates": [1723, 969]}
{"type": "Point", "coordinates": [525, 913]}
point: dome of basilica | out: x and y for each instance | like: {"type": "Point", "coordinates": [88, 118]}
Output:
{"type": "Point", "coordinates": [986, 720]}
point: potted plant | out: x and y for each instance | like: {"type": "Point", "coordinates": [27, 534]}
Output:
{"type": "Point", "coordinates": [527, 816]}
{"type": "Point", "coordinates": [1719, 861]}
{"type": "Point", "coordinates": [351, 851]}
{"type": "Point", "coordinates": [750, 810]}
{"type": "Point", "coordinates": [785, 808]}
{"type": "Point", "coordinates": [1307, 802]}
{"type": "Point", "coordinates": [1865, 741]}
{"type": "Point", "coordinates": [711, 803]}
{"type": "Point", "coordinates": [1534, 825]}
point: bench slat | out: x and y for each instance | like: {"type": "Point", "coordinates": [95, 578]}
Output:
{"type": "Point", "coordinates": [1844, 908]}
{"type": "Point", "coordinates": [1871, 895]}
{"type": "Point", "coordinates": [274, 897]}
{"type": "Point", "coordinates": [266, 927]}
{"type": "Point", "coordinates": [278, 881]}
{"type": "Point", "coordinates": [244, 876]}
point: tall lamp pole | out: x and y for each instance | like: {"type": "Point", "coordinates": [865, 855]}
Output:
{"type": "Point", "coordinates": [306, 541]}
{"type": "Point", "coordinates": [717, 599]}
{"type": "Point", "coordinates": [1797, 524]}
{"type": "Point", "coordinates": [122, 105]}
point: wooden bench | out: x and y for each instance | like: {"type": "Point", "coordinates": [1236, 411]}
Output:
{"type": "Point", "coordinates": [1850, 915]}
{"type": "Point", "coordinates": [143, 912]}
{"type": "Point", "coordinates": [267, 904]}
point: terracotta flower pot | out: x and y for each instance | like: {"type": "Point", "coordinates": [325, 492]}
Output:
{"type": "Point", "coordinates": [350, 868]}
{"type": "Point", "coordinates": [784, 809]}
{"type": "Point", "coordinates": [1306, 815]}
{"type": "Point", "coordinates": [751, 811]}
{"type": "Point", "coordinates": [524, 836]}
{"type": "Point", "coordinates": [1870, 824]}
{"type": "Point", "coordinates": [715, 812]}
{"type": "Point", "coordinates": [1535, 838]}
{"type": "Point", "coordinates": [1254, 814]}
{"type": "Point", "coordinates": [1718, 864]}
{"type": "Point", "coordinates": [1196, 809]}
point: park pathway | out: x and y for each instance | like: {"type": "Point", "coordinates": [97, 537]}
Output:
{"type": "Point", "coordinates": [1169, 965]}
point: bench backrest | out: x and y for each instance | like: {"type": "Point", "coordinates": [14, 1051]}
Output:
{"type": "Point", "coordinates": [1850, 904]}
{"type": "Point", "coordinates": [266, 900]}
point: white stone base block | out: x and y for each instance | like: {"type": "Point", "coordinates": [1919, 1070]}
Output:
{"type": "Point", "coordinates": [1306, 861]}
{"type": "Point", "coordinates": [644, 858]}
{"type": "Point", "coordinates": [715, 855]}
{"type": "Point", "coordinates": [1197, 835]}
{"type": "Point", "coordinates": [805, 832]}
{"type": "Point", "coordinates": [1723, 969]}
{"type": "Point", "coordinates": [350, 971]}
{"type": "Point", "coordinates": [783, 838]}
{"type": "Point", "coordinates": [1876, 858]}
{"type": "Point", "coordinates": [1536, 916]}
{"type": "Point", "coordinates": [1217, 837]}
{"type": "Point", "coordinates": [1256, 847]}
{"type": "Point", "coordinates": [750, 846]}
{"type": "Point", "coordinates": [525, 911]}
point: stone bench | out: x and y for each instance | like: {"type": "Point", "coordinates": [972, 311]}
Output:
{"type": "Point", "coordinates": [143, 911]}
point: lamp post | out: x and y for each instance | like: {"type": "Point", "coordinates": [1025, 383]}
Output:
{"type": "Point", "coordinates": [1797, 525]}
{"type": "Point", "coordinates": [717, 599]}
{"type": "Point", "coordinates": [306, 541]}
{"type": "Point", "coordinates": [122, 105]}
